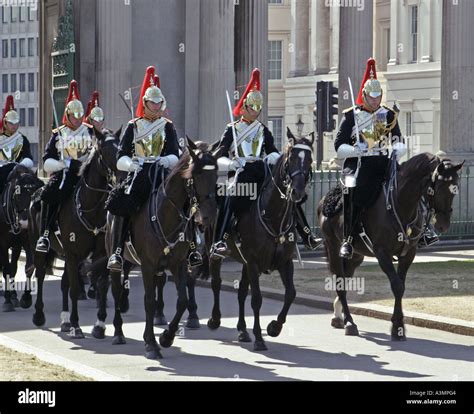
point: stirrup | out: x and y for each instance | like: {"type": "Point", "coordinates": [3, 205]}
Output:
{"type": "Point", "coordinates": [115, 263]}
{"type": "Point", "coordinates": [346, 250]}
{"type": "Point", "coordinates": [195, 259]}
{"type": "Point", "coordinates": [42, 245]}
{"type": "Point", "coordinates": [219, 249]}
{"type": "Point", "coordinates": [312, 242]}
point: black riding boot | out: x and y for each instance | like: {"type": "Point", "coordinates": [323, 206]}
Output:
{"type": "Point", "coordinates": [42, 245]}
{"type": "Point", "coordinates": [310, 240]}
{"type": "Point", "coordinates": [346, 247]}
{"type": "Point", "coordinates": [119, 227]}
{"type": "Point", "coordinates": [194, 257]}
{"type": "Point", "coordinates": [219, 248]}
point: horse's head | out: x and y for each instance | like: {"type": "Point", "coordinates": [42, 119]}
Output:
{"type": "Point", "coordinates": [298, 164]}
{"type": "Point", "coordinates": [107, 148]}
{"type": "Point", "coordinates": [202, 180]}
{"type": "Point", "coordinates": [23, 183]}
{"type": "Point", "coordinates": [440, 193]}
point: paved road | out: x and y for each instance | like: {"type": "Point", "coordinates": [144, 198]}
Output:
{"type": "Point", "coordinates": [308, 348]}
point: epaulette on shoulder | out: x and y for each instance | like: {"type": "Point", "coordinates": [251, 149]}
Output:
{"type": "Point", "coordinates": [56, 130]}
{"type": "Point", "coordinates": [168, 120]}
{"type": "Point", "coordinates": [349, 109]}
{"type": "Point", "coordinates": [388, 108]}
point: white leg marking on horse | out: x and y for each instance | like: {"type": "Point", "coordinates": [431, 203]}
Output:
{"type": "Point", "coordinates": [100, 324]}
{"type": "Point", "coordinates": [65, 317]}
{"type": "Point", "coordinates": [337, 308]}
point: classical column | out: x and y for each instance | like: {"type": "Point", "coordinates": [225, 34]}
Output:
{"type": "Point", "coordinates": [334, 18]}
{"type": "Point", "coordinates": [320, 35]}
{"type": "Point", "coordinates": [216, 68]}
{"type": "Point", "coordinates": [299, 55]}
{"type": "Point", "coordinates": [394, 4]}
{"type": "Point", "coordinates": [424, 16]}
{"type": "Point", "coordinates": [251, 45]}
{"type": "Point", "coordinates": [355, 47]}
{"type": "Point", "coordinates": [457, 80]}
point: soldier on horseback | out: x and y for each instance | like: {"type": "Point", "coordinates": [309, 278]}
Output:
{"type": "Point", "coordinates": [367, 129]}
{"type": "Point", "coordinates": [14, 146]}
{"type": "Point", "coordinates": [253, 141]}
{"type": "Point", "coordinates": [94, 115]}
{"type": "Point", "coordinates": [68, 147]}
{"type": "Point", "coordinates": [149, 139]}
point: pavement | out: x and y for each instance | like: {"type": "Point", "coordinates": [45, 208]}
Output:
{"type": "Point", "coordinates": [307, 349]}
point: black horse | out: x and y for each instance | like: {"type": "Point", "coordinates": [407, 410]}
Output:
{"type": "Point", "coordinates": [81, 221]}
{"type": "Point", "coordinates": [20, 185]}
{"type": "Point", "coordinates": [161, 232]}
{"type": "Point", "coordinates": [264, 239]}
{"type": "Point", "coordinates": [394, 224]}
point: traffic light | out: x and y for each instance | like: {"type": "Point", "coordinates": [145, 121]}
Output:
{"type": "Point", "coordinates": [321, 106]}
{"type": "Point", "coordinates": [331, 109]}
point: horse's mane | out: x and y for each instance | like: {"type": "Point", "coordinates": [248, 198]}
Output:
{"type": "Point", "coordinates": [23, 174]}
{"type": "Point", "coordinates": [185, 167]}
{"type": "Point", "coordinates": [420, 165]}
{"type": "Point", "coordinates": [85, 167]}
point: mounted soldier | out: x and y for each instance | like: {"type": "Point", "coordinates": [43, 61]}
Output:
{"type": "Point", "coordinates": [255, 143]}
{"type": "Point", "coordinates": [14, 146]}
{"type": "Point", "coordinates": [94, 115]}
{"type": "Point", "coordinates": [149, 139]}
{"type": "Point", "coordinates": [364, 135]}
{"type": "Point", "coordinates": [68, 147]}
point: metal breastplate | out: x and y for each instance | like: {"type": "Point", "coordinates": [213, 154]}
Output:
{"type": "Point", "coordinates": [76, 144]}
{"type": "Point", "coordinates": [373, 126]}
{"type": "Point", "coordinates": [251, 146]}
{"type": "Point", "coordinates": [150, 138]}
{"type": "Point", "coordinates": [10, 147]}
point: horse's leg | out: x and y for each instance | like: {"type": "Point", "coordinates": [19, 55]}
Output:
{"type": "Point", "coordinates": [16, 250]}
{"type": "Point", "coordinates": [215, 268]}
{"type": "Point", "coordinates": [398, 288]}
{"type": "Point", "coordinates": [159, 318]}
{"type": "Point", "coordinates": [253, 275]}
{"type": "Point", "coordinates": [242, 295]}
{"type": "Point", "coordinates": [9, 281]}
{"type": "Point", "coordinates": [102, 285]}
{"type": "Point", "coordinates": [65, 316]}
{"type": "Point", "coordinates": [398, 327]}
{"type": "Point", "coordinates": [124, 302]}
{"type": "Point", "coordinates": [193, 319]}
{"type": "Point", "coordinates": [40, 266]}
{"type": "Point", "coordinates": [72, 269]}
{"type": "Point", "coordinates": [180, 275]}
{"type": "Point", "coordinates": [119, 338]}
{"type": "Point", "coordinates": [286, 272]}
{"type": "Point", "coordinates": [26, 300]}
{"type": "Point", "coordinates": [152, 350]}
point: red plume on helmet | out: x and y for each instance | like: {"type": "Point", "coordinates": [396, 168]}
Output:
{"type": "Point", "coordinates": [253, 85]}
{"type": "Point", "coordinates": [92, 103]}
{"type": "Point", "coordinates": [370, 72]}
{"type": "Point", "coordinates": [9, 105]}
{"type": "Point", "coordinates": [156, 81]}
{"type": "Point", "coordinates": [148, 81]}
{"type": "Point", "coordinates": [73, 94]}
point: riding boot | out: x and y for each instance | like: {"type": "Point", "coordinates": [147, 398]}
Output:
{"type": "Point", "coordinates": [346, 249]}
{"type": "Point", "coordinates": [310, 240]}
{"type": "Point", "coordinates": [119, 228]}
{"type": "Point", "coordinates": [219, 248]}
{"type": "Point", "coordinates": [42, 245]}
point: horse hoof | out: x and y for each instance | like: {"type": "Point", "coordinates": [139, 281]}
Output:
{"type": "Point", "coordinates": [76, 333]}
{"type": "Point", "coordinates": [398, 334]}
{"type": "Point", "coordinates": [91, 293]}
{"type": "Point", "coordinates": [119, 340]}
{"type": "Point", "coordinates": [25, 301]}
{"type": "Point", "coordinates": [66, 327]}
{"type": "Point", "coordinates": [39, 319]}
{"type": "Point", "coordinates": [213, 324]}
{"type": "Point", "coordinates": [351, 330]}
{"type": "Point", "coordinates": [166, 340]}
{"type": "Point", "coordinates": [193, 323]}
{"type": "Point", "coordinates": [160, 321]}
{"type": "Point", "coordinates": [259, 346]}
{"type": "Point", "coordinates": [153, 352]}
{"type": "Point", "coordinates": [15, 301]}
{"type": "Point", "coordinates": [337, 323]}
{"type": "Point", "coordinates": [244, 336]}
{"type": "Point", "coordinates": [8, 307]}
{"type": "Point", "coordinates": [82, 295]}
{"type": "Point", "coordinates": [98, 332]}
{"type": "Point", "coordinates": [274, 328]}
{"type": "Point", "coordinates": [124, 305]}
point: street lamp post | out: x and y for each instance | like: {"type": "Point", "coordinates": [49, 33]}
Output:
{"type": "Point", "coordinates": [299, 126]}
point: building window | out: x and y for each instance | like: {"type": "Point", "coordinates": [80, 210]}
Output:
{"type": "Point", "coordinates": [13, 48]}
{"type": "Point", "coordinates": [31, 82]}
{"type": "Point", "coordinates": [13, 82]}
{"type": "Point", "coordinates": [31, 117]}
{"type": "Point", "coordinates": [22, 13]}
{"type": "Point", "coordinates": [274, 59]}
{"type": "Point", "coordinates": [4, 48]}
{"type": "Point", "coordinates": [414, 33]}
{"type": "Point", "coordinates": [32, 13]}
{"type": "Point", "coordinates": [22, 82]}
{"type": "Point", "coordinates": [408, 124]}
{"type": "Point", "coordinates": [22, 117]}
{"type": "Point", "coordinates": [31, 46]}
{"type": "Point", "coordinates": [4, 14]}
{"type": "Point", "coordinates": [22, 47]}
{"type": "Point", "coordinates": [275, 1]}
{"type": "Point", "coordinates": [13, 14]}
{"type": "Point", "coordinates": [388, 45]}
{"type": "Point", "coordinates": [5, 83]}
{"type": "Point", "coordinates": [276, 129]}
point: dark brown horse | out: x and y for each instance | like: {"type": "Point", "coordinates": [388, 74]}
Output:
{"type": "Point", "coordinates": [394, 224]}
{"type": "Point", "coordinates": [264, 239]}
